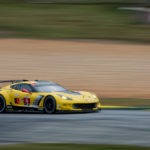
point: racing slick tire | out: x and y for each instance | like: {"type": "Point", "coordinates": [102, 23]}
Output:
{"type": "Point", "coordinates": [49, 105]}
{"type": "Point", "coordinates": [2, 104]}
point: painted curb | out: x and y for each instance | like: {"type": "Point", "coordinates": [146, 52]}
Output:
{"type": "Point", "coordinates": [124, 108]}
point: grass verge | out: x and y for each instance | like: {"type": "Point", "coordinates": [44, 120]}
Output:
{"type": "Point", "coordinates": [70, 147]}
{"type": "Point", "coordinates": [131, 102]}
{"type": "Point", "coordinates": [54, 21]}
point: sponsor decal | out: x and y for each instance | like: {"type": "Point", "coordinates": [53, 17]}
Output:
{"type": "Point", "coordinates": [8, 89]}
{"type": "Point", "coordinates": [9, 107]}
{"type": "Point", "coordinates": [16, 94]}
{"type": "Point", "coordinates": [25, 100]}
{"type": "Point", "coordinates": [17, 100]}
{"type": "Point", "coordinates": [21, 100]}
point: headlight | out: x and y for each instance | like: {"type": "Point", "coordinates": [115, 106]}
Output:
{"type": "Point", "coordinates": [94, 96]}
{"type": "Point", "coordinates": [64, 97]}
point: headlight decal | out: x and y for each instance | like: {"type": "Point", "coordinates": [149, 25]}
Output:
{"type": "Point", "coordinates": [64, 97]}
{"type": "Point", "coordinates": [94, 96]}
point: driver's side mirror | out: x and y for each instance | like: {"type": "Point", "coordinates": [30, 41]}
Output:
{"type": "Point", "coordinates": [26, 91]}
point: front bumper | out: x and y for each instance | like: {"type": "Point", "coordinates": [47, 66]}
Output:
{"type": "Point", "coordinates": [79, 106]}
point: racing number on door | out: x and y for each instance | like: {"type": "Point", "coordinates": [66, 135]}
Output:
{"type": "Point", "coordinates": [19, 97]}
{"type": "Point", "coordinates": [26, 100]}
{"type": "Point", "coordinates": [26, 96]}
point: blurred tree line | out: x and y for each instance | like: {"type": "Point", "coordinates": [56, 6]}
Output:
{"type": "Point", "coordinates": [138, 2]}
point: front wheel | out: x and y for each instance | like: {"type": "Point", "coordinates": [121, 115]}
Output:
{"type": "Point", "coordinates": [2, 104]}
{"type": "Point", "coordinates": [49, 105]}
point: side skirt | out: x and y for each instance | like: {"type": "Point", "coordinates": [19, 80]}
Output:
{"type": "Point", "coordinates": [26, 108]}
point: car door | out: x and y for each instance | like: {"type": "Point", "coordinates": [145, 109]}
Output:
{"type": "Point", "coordinates": [16, 95]}
{"type": "Point", "coordinates": [29, 96]}
{"type": "Point", "coordinates": [26, 94]}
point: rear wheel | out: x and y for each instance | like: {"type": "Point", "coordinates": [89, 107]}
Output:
{"type": "Point", "coordinates": [2, 104]}
{"type": "Point", "coordinates": [49, 105]}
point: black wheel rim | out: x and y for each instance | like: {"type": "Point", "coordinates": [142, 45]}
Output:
{"type": "Point", "coordinates": [49, 104]}
{"type": "Point", "coordinates": [2, 104]}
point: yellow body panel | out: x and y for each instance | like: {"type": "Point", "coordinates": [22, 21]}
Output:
{"type": "Point", "coordinates": [18, 98]}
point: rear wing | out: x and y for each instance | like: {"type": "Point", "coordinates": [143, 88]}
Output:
{"type": "Point", "coordinates": [12, 81]}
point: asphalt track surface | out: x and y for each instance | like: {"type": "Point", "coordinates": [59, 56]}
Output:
{"type": "Point", "coordinates": [107, 127]}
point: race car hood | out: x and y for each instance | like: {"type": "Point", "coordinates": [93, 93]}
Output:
{"type": "Point", "coordinates": [77, 95]}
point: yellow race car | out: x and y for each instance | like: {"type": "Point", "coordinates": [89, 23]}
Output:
{"type": "Point", "coordinates": [45, 96]}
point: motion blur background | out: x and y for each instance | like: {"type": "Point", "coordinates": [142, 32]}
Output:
{"type": "Point", "coordinates": [96, 45]}
{"type": "Point", "coordinates": [102, 46]}
{"type": "Point", "coordinates": [76, 19]}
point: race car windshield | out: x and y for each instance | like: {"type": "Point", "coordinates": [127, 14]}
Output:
{"type": "Point", "coordinates": [49, 88]}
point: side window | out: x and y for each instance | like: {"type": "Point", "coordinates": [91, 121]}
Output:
{"type": "Point", "coordinates": [27, 87]}
{"type": "Point", "coordinates": [16, 86]}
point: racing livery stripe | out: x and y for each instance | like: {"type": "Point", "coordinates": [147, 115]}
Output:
{"type": "Point", "coordinates": [38, 100]}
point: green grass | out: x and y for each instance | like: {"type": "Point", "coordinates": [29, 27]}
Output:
{"type": "Point", "coordinates": [56, 21]}
{"type": "Point", "coordinates": [135, 102]}
{"type": "Point", "coordinates": [70, 147]}
{"type": "Point", "coordinates": [74, 1]}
